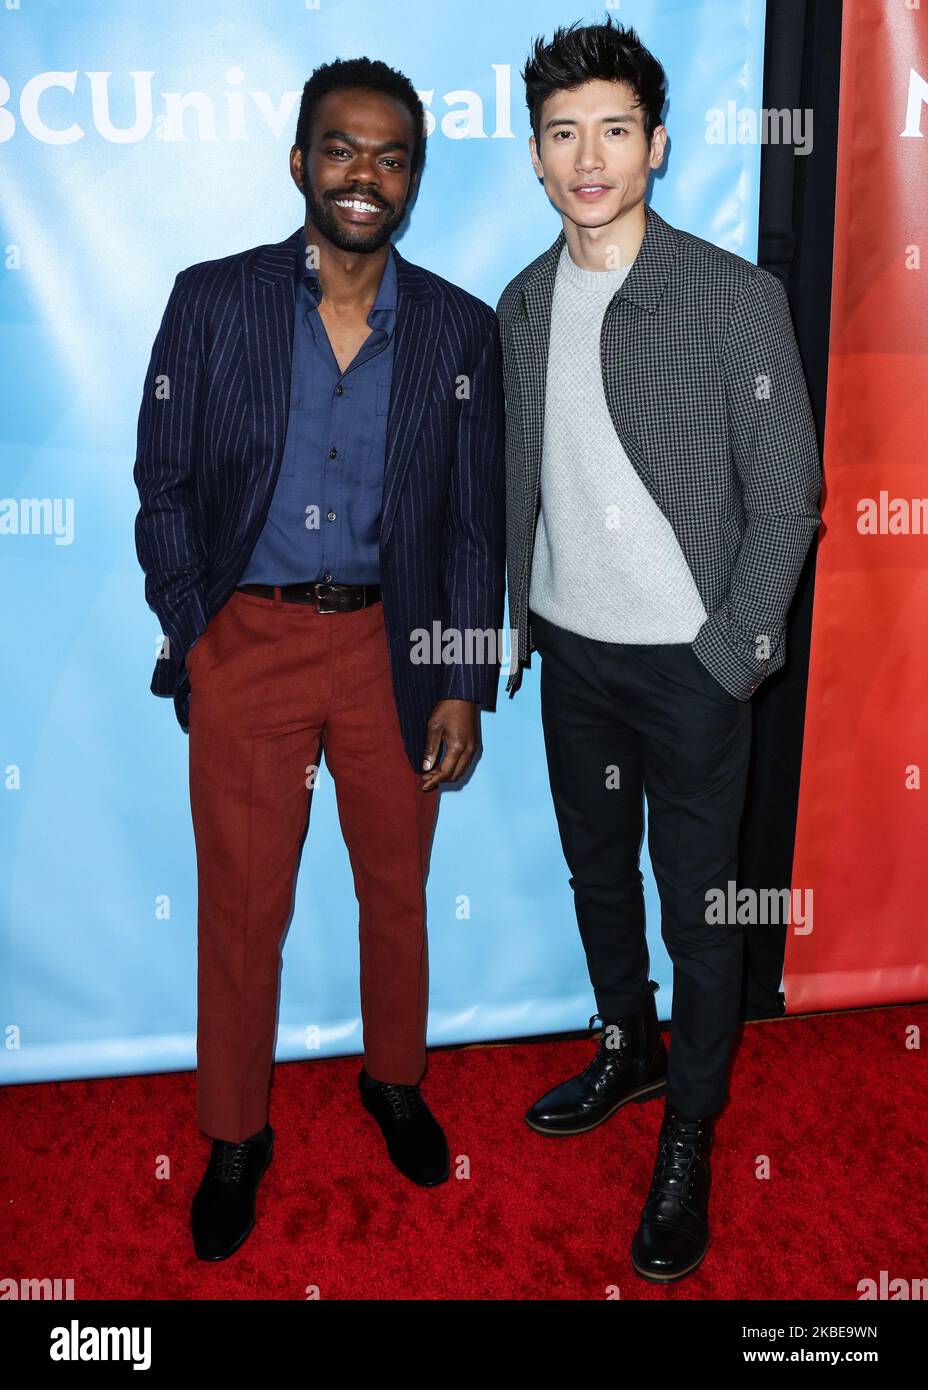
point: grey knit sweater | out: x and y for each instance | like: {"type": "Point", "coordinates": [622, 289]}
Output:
{"type": "Point", "coordinates": [606, 562]}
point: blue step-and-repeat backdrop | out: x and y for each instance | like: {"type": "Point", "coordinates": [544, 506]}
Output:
{"type": "Point", "coordinates": [136, 139]}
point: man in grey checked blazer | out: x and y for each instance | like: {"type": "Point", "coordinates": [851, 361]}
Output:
{"type": "Point", "coordinates": [662, 492]}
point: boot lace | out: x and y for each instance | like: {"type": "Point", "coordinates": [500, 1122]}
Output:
{"type": "Point", "coordinates": [676, 1156]}
{"type": "Point", "coordinates": [603, 1049]}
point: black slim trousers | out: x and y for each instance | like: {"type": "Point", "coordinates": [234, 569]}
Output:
{"type": "Point", "coordinates": [623, 721]}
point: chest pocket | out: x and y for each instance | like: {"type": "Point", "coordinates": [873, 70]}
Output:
{"type": "Point", "coordinates": [297, 391]}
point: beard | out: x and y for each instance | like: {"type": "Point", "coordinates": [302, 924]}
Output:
{"type": "Point", "coordinates": [361, 238]}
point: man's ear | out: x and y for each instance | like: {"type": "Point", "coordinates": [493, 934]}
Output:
{"type": "Point", "coordinates": [658, 140]}
{"type": "Point", "coordinates": [298, 179]}
{"type": "Point", "coordinates": [533, 152]}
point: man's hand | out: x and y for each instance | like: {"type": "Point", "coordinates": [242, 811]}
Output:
{"type": "Point", "coordinates": [453, 722]}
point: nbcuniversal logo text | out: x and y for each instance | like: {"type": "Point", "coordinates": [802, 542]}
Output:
{"type": "Point", "coordinates": [58, 108]}
{"type": "Point", "coordinates": [237, 113]}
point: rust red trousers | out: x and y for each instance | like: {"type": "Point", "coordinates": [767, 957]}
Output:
{"type": "Point", "coordinates": [270, 683]}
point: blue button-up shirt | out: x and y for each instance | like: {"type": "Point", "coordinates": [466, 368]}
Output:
{"type": "Point", "coordinates": [324, 518]}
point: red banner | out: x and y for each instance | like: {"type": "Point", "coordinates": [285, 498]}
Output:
{"type": "Point", "coordinates": [862, 833]}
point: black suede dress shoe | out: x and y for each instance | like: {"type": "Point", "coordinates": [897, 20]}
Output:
{"type": "Point", "coordinates": [223, 1210]}
{"type": "Point", "coordinates": [673, 1235]}
{"type": "Point", "coordinates": [415, 1139]}
{"type": "Point", "coordinates": [630, 1064]}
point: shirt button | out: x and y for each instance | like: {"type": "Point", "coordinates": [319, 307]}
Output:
{"type": "Point", "coordinates": [330, 515]}
{"type": "Point", "coordinates": [333, 453]}
{"type": "Point", "coordinates": [339, 390]}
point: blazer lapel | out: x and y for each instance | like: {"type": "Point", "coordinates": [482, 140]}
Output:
{"type": "Point", "coordinates": [621, 340]}
{"type": "Point", "coordinates": [418, 326]}
{"type": "Point", "coordinates": [268, 293]}
{"type": "Point", "coordinates": [642, 288]}
{"type": "Point", "coordinates": [530, 335]}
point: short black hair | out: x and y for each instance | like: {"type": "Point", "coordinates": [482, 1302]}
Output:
{"type": "Point", "coordinates": [608, 52]}
{"type": "Point", "coordinates": [362, 72]}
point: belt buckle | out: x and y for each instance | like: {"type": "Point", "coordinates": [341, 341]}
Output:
{"type": "Point", "coordinates": [320, 598]}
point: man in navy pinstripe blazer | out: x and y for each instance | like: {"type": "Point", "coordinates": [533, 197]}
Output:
{"type": "Point", "coordinates": [321, 475]}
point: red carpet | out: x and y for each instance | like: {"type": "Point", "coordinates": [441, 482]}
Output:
{"type": "Point", "coordinates": [837, 1103]}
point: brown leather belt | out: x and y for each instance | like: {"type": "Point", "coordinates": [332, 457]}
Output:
{"type": "Point", "coordinates": [328, 598]}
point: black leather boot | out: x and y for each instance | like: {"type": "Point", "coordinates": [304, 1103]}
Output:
{"type": "Point", "coordinates": [673, 1235]}
{"type": "Point", "coordinates": [223, 1210]}
{"type": "Point", "coordinates": [415, 1140]}
{"type": "Point", "coordinates": [630, 1064]}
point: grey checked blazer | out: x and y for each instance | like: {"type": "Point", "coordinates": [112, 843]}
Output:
{"type": "Point", "coordinates": [706, 391]}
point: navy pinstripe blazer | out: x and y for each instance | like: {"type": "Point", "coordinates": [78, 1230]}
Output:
{"type": "Point", "coordinates": [211, 433]}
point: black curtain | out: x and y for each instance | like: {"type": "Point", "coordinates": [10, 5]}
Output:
{"type": "Point", "coordinates": [797, 203]}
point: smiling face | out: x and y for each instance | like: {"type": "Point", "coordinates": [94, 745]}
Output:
{"type": "Point", "coordinates": [356, 176]}
{"type": "Point", "coordinates": [593, 155]}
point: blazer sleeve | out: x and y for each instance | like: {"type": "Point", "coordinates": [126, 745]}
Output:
{"type": "Point", "coordinates": [167, 538]}
{"type": "Point", "coordinates": [775, 454]}
{"type": "Point", "coordinates": [474, 540]}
